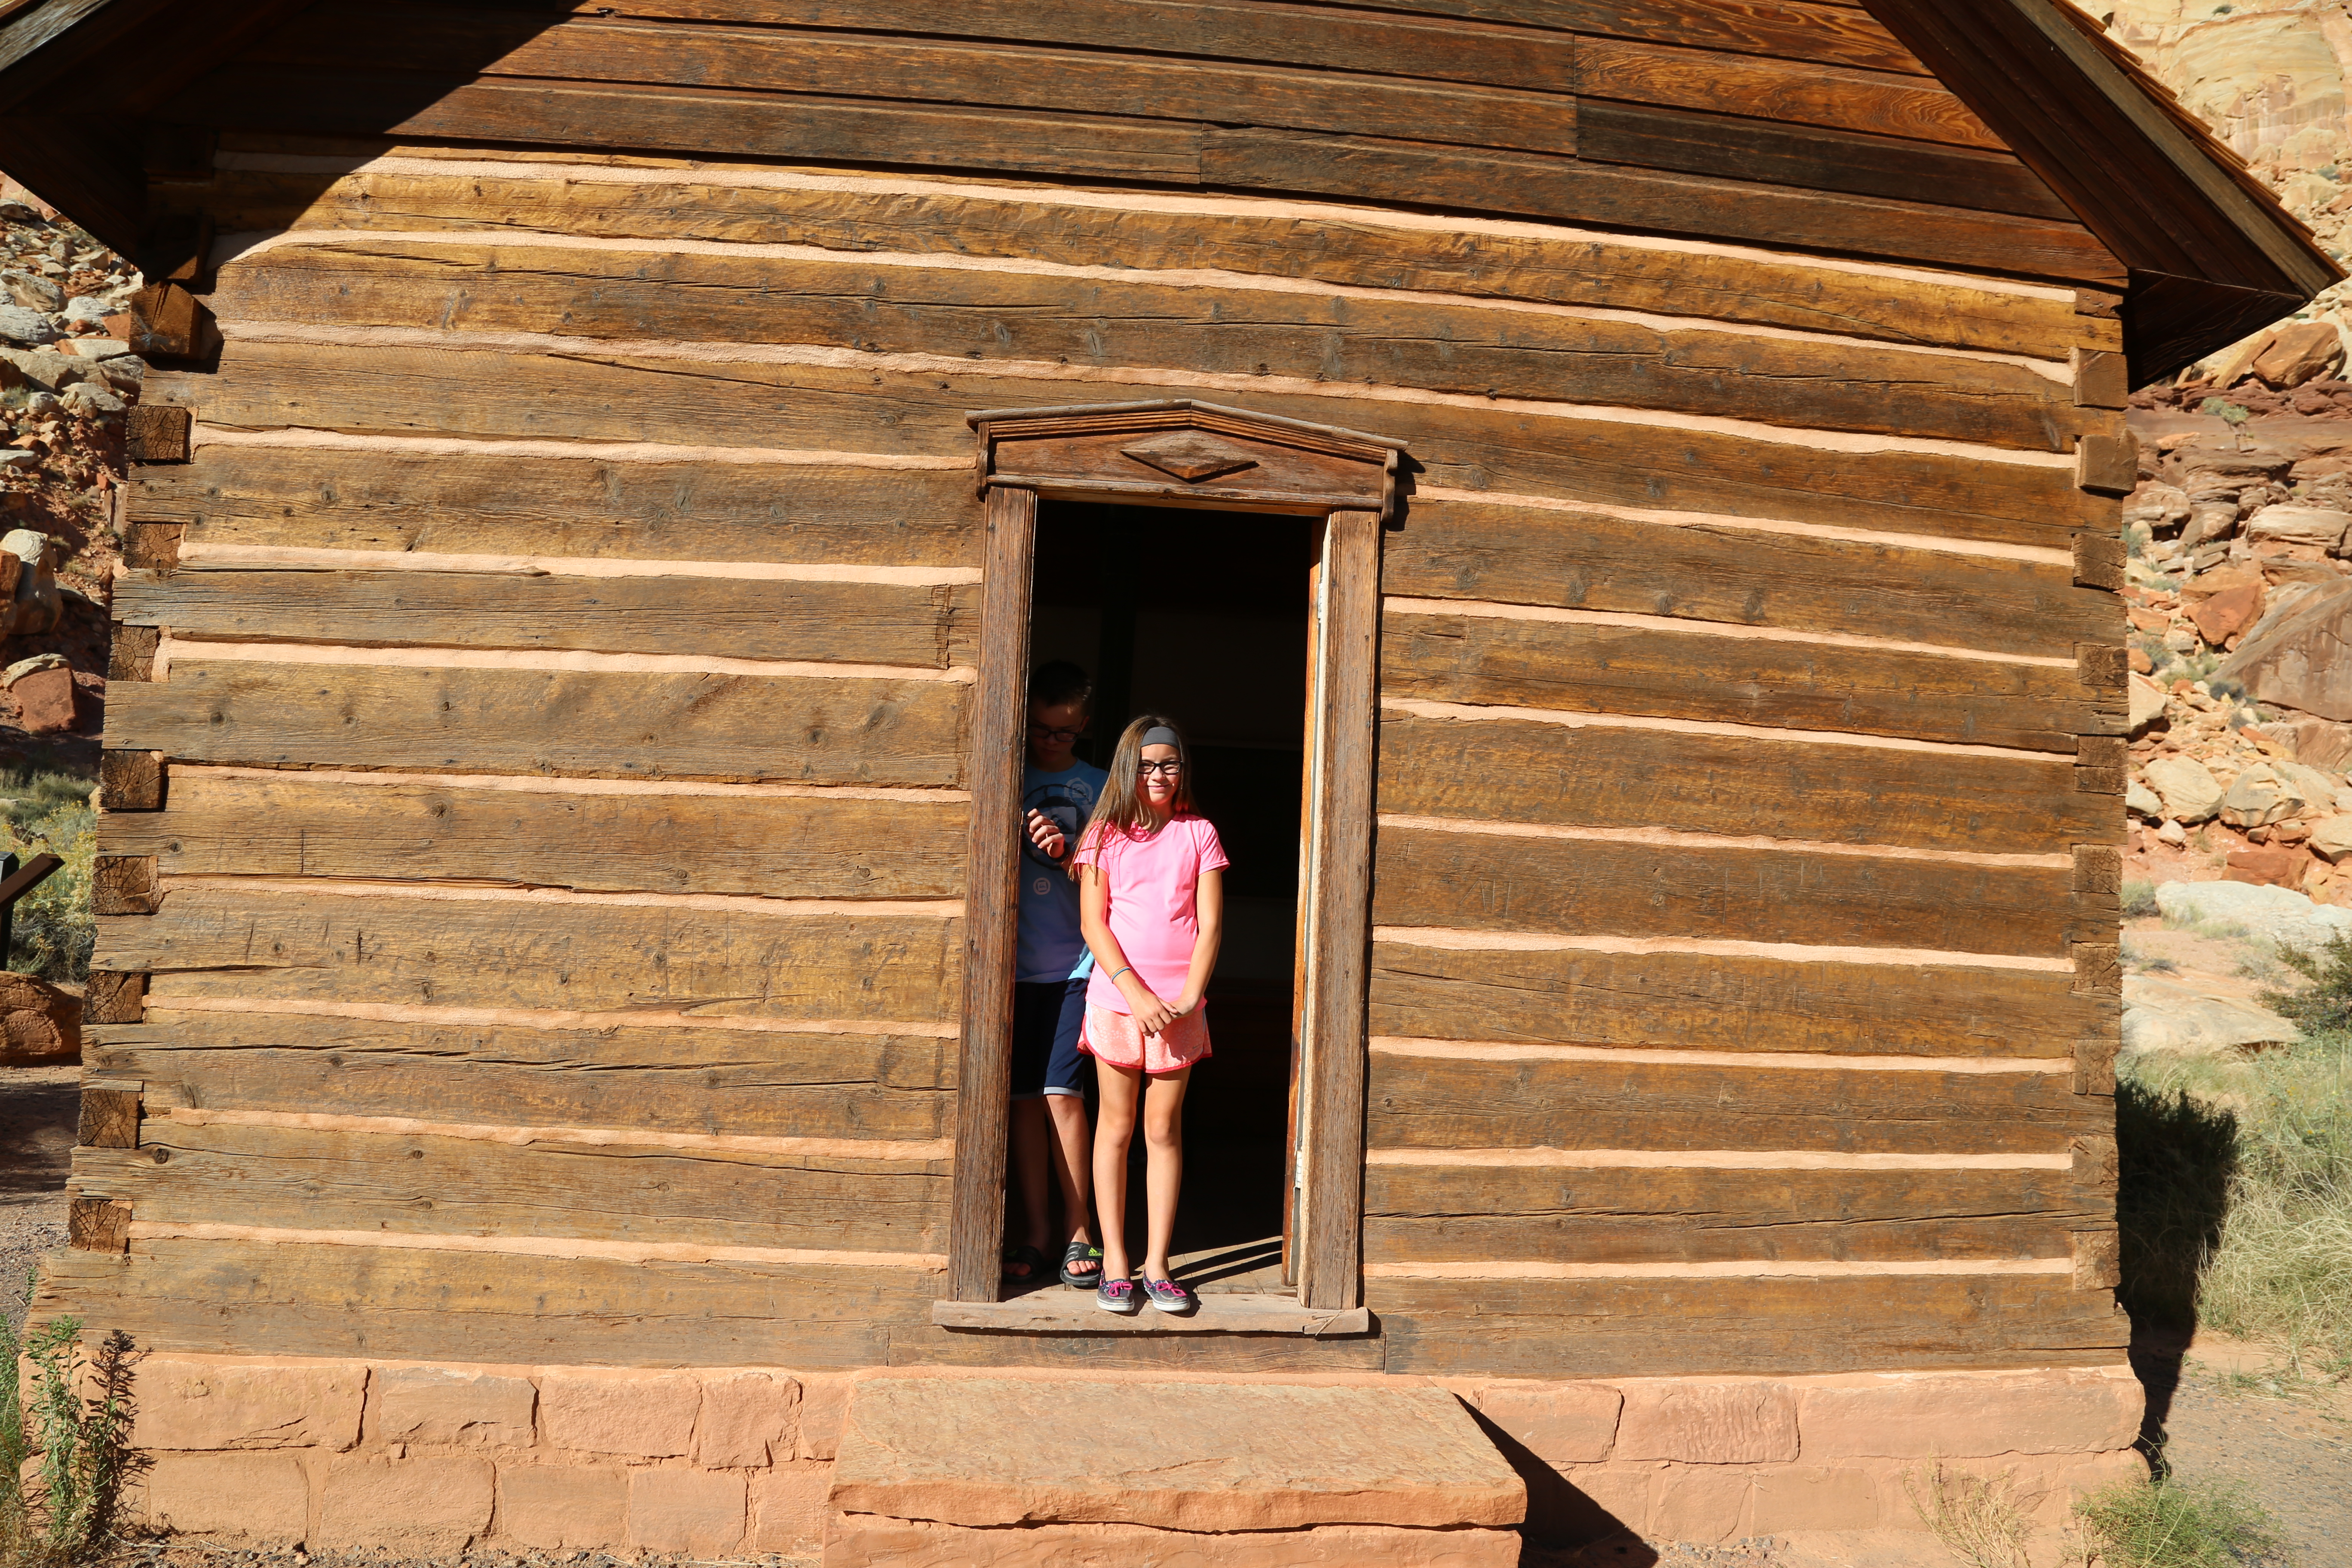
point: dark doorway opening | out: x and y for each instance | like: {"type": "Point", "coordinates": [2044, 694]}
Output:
{"type": "Point", "coordinates": [1206, 616]}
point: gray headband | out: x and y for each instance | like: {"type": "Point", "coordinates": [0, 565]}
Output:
{"type": "Point", "coordinates": [1159, 735]}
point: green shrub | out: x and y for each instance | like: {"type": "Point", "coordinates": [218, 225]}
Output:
{"type": "Point", "coordinates": [54, 929]}
{"type": "Point", "coordinates": [2327, 1003]}
{"type": "Point", "coordinates": [2222, 408]}
{"type": "Point", "coordinates": [2138, 899]}
{"type": "Point", "coordinates": [2176, 1524]}
{"type": "Point", "coordinates": [70, 1438]}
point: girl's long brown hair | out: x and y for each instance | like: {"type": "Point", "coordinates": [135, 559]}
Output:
{"type": "Point", "coordinates": [1119, 810]}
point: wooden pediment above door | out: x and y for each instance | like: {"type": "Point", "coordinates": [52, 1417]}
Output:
{"type": "Point", "coordinates": [1184, 453]}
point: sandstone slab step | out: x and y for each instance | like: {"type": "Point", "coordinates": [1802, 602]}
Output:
{"type": "Point", "coordinates": [1005, 1469]}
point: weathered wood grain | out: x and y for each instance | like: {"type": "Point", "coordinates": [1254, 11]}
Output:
{"type": "Point", "coordinates": [1633, 1328]}
{"type": "Point", "coordinates": [289, 825]}
{"type": "Point", "coordinates": [453, 504]}
{"type": "Point", "coordinates": [1584, 560]}
{"type": "Point", "coordinates": [1229, 1354]}
{"type": "Point", "coordinates": [599, 724]}
{"type": "Point", "coordinates": [655, 1079]}
{"type": "Point", "coordinates": [455, 42]}
{"type": "Point", "coordinates": [1505, 769]}
{"type": "Point", "coordinates": [302, 1179]}
{"type": "Point", "coordinates": [1684, 1215]}
{"type": "Point", "coordinates": [1018, 316]}
{"type": "Point", "coordinates": [1352, 247]}
{"type": "Point", "coordinates": [219, 941]}
{"type": "Point", "coordinates": [583, 396]}
{"type": "Point", "coordinates": [109, 1117]}
{"type": "Point", "coordinates": [842, 623]}
{"type": "Point", "coordinates": [1701, 1001]}
{"type": "Point", "coordinates": [244, 1298]}
{"type": "Point", "coordinates": [1586, 887]}
{"type": "Point", "coordinates": [1787, 92]}
{"type": "Point", "coordinates": [1445, 1102]}
{"type": "Point", "coordinates": [1662, 672]}
{"type": "Point", "coordinates": [1831, 33]}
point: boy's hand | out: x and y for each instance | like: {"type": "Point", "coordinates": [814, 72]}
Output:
{"type": "Point", "coordinates": [1045, 834]}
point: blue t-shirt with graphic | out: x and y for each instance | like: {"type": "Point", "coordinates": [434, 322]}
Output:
{"type": "Point", "coordinates": [1052, 948]}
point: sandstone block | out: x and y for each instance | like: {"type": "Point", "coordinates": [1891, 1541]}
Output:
{"type": "Point", "coordinates": [2265, 868]}
{"type": "Point", "coordinates": [437, 1505]}
{"type": "Point", "coordinates": [1918, 1416]}
{"type": "Point", "coordinates": [1620, 1489]}
{"type": "Point", "coordinates": [2224, 615]}
{"type": "Point", "coordinates": [2287, 524]}
{"type": "Point", "coordinates": [554, 1507]}
{"type": "Point", "coordinates": [44, 695]}
{"type": "Point", "coordinates": [1211, 1457]}
{"type": "Point", "coordinates": [748, 1420]}
{"type": "Point", "coordinates": [40, 1026]}
{"type": "Point", "coordinates": [1700, 1503]}
{"type": "Point", "coordinates": [440, 1405]}
{"type": "Point", "coordinates": [2302, 352]}
{"type": "Point", "coordinates": [1812, 1497]}
{"type": "Point", "coordinates": [198, 1403]}
{"type": "Point", "coordinates": [825, 1410]}
{"type": "Point", "coordinates": [1560, 1424]}
{"type": "Point", "coordinates": [789, 1507]}
{"type": "Point", "coordinates": [870, 1541]}
{"type": "Point", "coordinates": [686, 1510]}
{"type": "Point", "coordinates": [2331, 837]}
{"type": "Point", "coordinates": [263, 1496]}
{"type": "Point", "coordinates": [2190, 793]}
{"type": "Point", "coordinates": [1708, 1423]}
{"type": "Point", "coordinates": [644, 1415]}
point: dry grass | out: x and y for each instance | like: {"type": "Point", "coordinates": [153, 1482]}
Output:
{"type": "Point", "coordinates": [1980, 1520]}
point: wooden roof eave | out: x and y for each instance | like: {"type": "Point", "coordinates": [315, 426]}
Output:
{"type": "Point", "coordinates": [2211, 253]}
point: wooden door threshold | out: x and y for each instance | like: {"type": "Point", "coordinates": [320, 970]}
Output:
{"type": "Point", "coordinates": [1070, 1312]}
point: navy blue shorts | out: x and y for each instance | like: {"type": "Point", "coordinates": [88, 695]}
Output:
{"type": "Point", "coordinates": [1046, 1019]}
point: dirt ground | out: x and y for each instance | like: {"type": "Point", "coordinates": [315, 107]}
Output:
{"type": "Point", "coordinates": [2231, 1417]}
{"type": "Point", "coordinates": [38, 1107]}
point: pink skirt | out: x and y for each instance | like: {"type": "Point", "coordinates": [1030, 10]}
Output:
{"type": "Point", "coordinates": [1113, 1038]}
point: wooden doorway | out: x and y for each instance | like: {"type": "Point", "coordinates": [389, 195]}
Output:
{"type": "Point", "coordinates": [1182, 454]}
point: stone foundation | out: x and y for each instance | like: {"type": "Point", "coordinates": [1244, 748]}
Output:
{"type": "Point", "coordinates": [345, 1454]}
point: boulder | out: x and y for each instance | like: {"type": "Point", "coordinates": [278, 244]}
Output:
{"type": "Point", "coordinates": [2286, 522]}
{"type": "Point", "coordinates": [33, 292]}
{"type": "Point", "coordinates": [2317, 742]}
{"type": "Point", "coordinates": [2208, 470]}
{"type": "Point", "coordinates": [2172, 835]}
{"type": "Point", "coordinates": [99, 400]}
{"type": "Point", "coordinates": [2189, 791]}
{"type": "Point", "coordinates": [2156, 506]}
{"type": "Point", "coordinates": [2297, 657]}
{"type": "Point", "coordinates": [2260, 797]}
{"type": "Point", "coordinates": [43, 687]}
{"type": "Point", "coordinates": [40, 1024]}
{"type": "Point", "coordinates": [2142, 801]}
{"type": "Point", "coordinates": [2331, 837]}
{"type": "Point", "coordinates": [2170, 1016]}
{"type": "Point", "coordinates": [2272, 914]}
{"type": "Point", "coordinates": [20, 324]}
{"type": "Point", "coordinates": [2303, 351]}
{"type": "Point", "coordinates": [2270, 868]}
{"type": "Point", "coordinates": [2220, 617]}
{"type": "Point", "coordinates": [2147, 699]}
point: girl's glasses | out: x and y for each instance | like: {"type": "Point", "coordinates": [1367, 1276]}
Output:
{"type": "Point", "coordinates": [1171, 768]}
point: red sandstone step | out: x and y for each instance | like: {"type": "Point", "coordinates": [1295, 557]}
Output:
{"type": "Point", "coordinates": [1005, 1470]}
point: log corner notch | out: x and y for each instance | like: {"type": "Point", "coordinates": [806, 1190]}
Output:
{"type": "Point", "coordinates": [2210, 253]}
{"type": "Point", "coordinates": [98, 1225]}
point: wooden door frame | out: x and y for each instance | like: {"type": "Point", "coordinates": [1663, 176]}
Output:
{"type": "Point", "coordinates": [1179, 453]}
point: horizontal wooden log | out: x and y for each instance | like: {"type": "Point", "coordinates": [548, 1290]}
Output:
{"type": "Point", "coordinates": [596, 723]}
{"type": "Point", "coordinates": [457, 43]}
{"type": "Point", "coordinates": [1658, 1328]}
{"type": "Point", "coordinates": [1832, 33]}
{"type": "Point", "coordinates": [583, 395]}
{"type": "Point", "coordinates": [224, 941]}
{"type": "Point", "coordinates": [1662, 672]}
{"type": "Point", "coordinates": [1570, 887]}
{"type": "Point", "coordinates": [1592, 560]}
{"type": "Point", "coordinates": [1669, 200]}
{"type": "Point", "coordinates": [1430, 1213]}
{"type": "Point", "coordinates": [1702, 1002]}
{"type": "Point", "coordinates": [1227, 1354]}
{"type": "Point", "coordinates": [844, 623]}
{"type": "Point", "coordinates": [1348, 249]}
{"type": "Point", "coordinates": [1505, 769]}
{"type": "Point", "coordinates": [289, 825]}
{"type": "Point", "coordinates": [1019, 316]}
{"type": "Point", "coordinates": [247, 1298]}
{"type": "Point", "coordinates": [302, 1179]}
{"type": "Point", "coordinates": [653, 1079]}
{"type": "Point", "coordinates": [1805, 92]}
{"type": "Point", "coordinates": [1451, 1102]}
{"type": "Point", "coordinates": [440, 503]}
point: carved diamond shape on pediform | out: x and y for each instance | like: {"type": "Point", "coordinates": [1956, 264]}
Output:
{"type": "Point", "coordinates": [1190, 455]}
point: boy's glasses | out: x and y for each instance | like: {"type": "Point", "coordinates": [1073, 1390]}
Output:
{"type": "Point", "coordinates": [1171, 768]}
{"type": "Point", "coordinates": [1039, 732]}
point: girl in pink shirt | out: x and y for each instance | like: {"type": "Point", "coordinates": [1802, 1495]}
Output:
{"type": "Point", "coordinates": [1151, 906]}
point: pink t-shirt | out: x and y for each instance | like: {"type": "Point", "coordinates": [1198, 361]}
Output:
{"type": "Point", "coordinates": [1151, 910]}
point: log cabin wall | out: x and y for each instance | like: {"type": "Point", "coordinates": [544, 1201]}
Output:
{"type": "Point", "coordinates": [540, 731]}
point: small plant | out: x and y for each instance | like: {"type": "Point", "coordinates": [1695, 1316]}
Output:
{"type": "Point", "coordinates": [2326, 1002]}
{"type": "Point", "coordinates": [77, 1442]}
{"type": "Point", "coordinates": [1981, 1520]}
{"type": "Point", "coordinates": [54, 927]}
{"type": "Point", "coordinates": [2137, 537]}
{"type": "Point", "coordinates": [2138, 899]}
{"type": "Point", "coordinates": [2177, 1524]}
{"type": "Point", "coordinates": [2220, 408]}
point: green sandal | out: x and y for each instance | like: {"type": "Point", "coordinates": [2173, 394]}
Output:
{"type": "Point", "coordinates": [1082, 1252]}
{"type": "Point", "coordinates": [1029, 1256]}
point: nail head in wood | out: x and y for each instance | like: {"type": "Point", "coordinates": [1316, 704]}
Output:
{"type": "Point", "coordinates": [131, 781]}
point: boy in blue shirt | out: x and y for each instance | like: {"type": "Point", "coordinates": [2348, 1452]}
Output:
{"type": "Point", "coordinates": [1050, 1074]}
